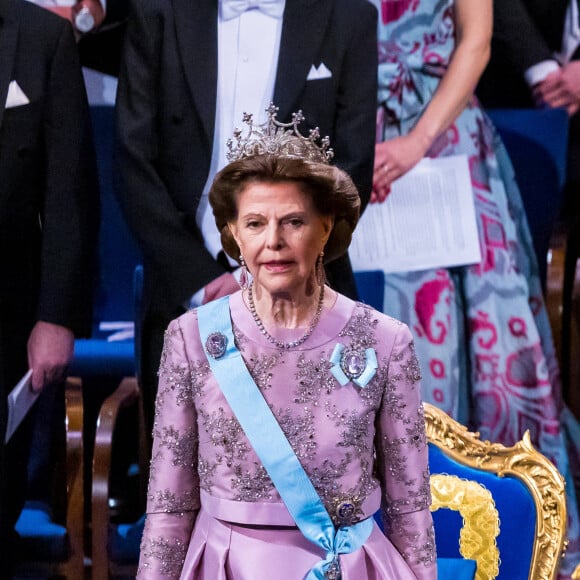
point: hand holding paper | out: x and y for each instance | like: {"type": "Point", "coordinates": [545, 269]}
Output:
{"type": "Point", "coordinates": [50, 351]}
{"type": "Point", "coordinates": [20, 399]}
{"type": "Point", "coordinates": [428, 221]}
{"type": "Point", "coordinates": [393, 159]}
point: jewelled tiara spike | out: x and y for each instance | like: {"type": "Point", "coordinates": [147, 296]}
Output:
{"type": "Point", "coordinates": [278, 138]}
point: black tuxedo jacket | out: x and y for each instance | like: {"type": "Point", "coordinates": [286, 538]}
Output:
{"type": "Point", "coordinates": [166, 113]}
{"type": "Point", "coordinates": [525, 33]}
{"type": "Point", "coordinates": [48, 187]}
{"type": "Point", "coordinates": [48, 210]}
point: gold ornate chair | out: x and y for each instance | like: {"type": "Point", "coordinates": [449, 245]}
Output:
{"type": "Point", "coordinates": [505, 504]}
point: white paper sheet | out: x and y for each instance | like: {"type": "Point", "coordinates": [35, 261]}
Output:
{"type": "Point", "coordinates": [20, 399]}
{"type": "Point", "coordinates": [121, 330]}
{"type": "Point", "coordinates": [427, 221]}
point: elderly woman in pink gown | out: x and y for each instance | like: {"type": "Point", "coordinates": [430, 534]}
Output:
{"type": "Point", "coordinates": [287, 363]}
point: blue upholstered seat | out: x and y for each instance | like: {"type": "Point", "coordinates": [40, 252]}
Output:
{"type": "Point", "coordinates": [537, 141]}
{"type": "Point", "coordinates": [449, 566]}
{"type": "Point", "coordinates": [456, 569]}
{"type": "Point", "coordinates": [97, 356]}
{"type": "Point", "coordinates": [125, 541]}
{"type": "Point", "coordinates": [40, 536]}
{"type": "Point", "coordinates": [371, 287]}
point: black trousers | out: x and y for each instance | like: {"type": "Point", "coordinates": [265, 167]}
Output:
{"type": "Point", "coordinates": [15, 326]}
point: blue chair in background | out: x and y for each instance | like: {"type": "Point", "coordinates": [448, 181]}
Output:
{"type": "Point", "coordinates": [118, 257]}
{"type": "Point", "coordinates": [537, 143]}
{"type": "Point", "coordinates": [370, 285]}
{"type": "Point", "coordinates": [503, 507]}
{"type": "Point", "coordinates": [115, 542]}
{"type": "Point", "coordinates": [101, 363]}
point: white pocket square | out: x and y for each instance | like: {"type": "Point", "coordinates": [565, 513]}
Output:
{"type": "Point", "coordinates": [16, 96]}
{"type": "Point", "coordinates": [319, 72]}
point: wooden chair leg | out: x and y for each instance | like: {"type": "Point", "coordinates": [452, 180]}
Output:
{"type": "Point", "coordinates": [74, 568]}
{"type": "Point", "coordinates": [126, 394]}
{"type": "Point", "coordinates": [554, 289]}
{"type": "Point", "coordinates": [571, 259]}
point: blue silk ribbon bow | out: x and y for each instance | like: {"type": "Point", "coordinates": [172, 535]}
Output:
{"type": "Point", "coordinates": [368, 373]}
{"type": "Point", "coordinates": [345, 541]}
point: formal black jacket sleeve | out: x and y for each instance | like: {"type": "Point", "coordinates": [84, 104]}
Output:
{"type": "Point", "coordinates": [516, 36]}
{"type": "Point", "coordinates": [171, 248]}
{"type": "Point", "coordinates": [70, 213]}
{"type": "Point", "coordinates": [355, 119]}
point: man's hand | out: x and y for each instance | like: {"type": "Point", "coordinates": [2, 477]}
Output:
{"type": "Point", "coordinates": [561, 88]}
{"type": "Point", "coordinates": [50, 351]}
{"type": "Point", "coordinates": [221, 286]}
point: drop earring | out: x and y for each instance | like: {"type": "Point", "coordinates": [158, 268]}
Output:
{"type": "Point", "coordinates": [243, 274]}
{"type": "Point", "coordinates": [320, 273]}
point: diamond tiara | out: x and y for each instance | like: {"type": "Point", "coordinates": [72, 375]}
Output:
{"type": "Point", "coordinates": [276, 138]}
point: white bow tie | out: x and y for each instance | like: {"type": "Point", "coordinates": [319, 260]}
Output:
{"type": "Point", "coordinates": [233, 8]}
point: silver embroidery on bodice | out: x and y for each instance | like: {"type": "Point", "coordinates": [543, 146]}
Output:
{"type": "Point", "coordinates": [345, 465]}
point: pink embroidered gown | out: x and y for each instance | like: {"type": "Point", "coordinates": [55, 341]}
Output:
{"type": "Point", "coordinates": [213, 513]}
{"type": "Point", "coordinates": [482, 333]}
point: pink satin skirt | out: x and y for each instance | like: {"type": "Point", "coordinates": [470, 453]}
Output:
{"type": "Point", "coordinates": [220, 550]}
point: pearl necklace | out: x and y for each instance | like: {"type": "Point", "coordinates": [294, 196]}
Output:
{"type": "Point", "coordinates": [269, 337]}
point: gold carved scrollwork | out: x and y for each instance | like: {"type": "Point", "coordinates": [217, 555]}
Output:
{"type": "Point", "coordinates": [521, 461]}
{"type": "Point", "coordinates": [477, 540]}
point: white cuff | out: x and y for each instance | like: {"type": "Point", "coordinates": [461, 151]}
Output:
{"type": "Point", "coordinates": [538, 72]}
{"type": "Point", "coordinates": [71, 3]}
{"type": "Point", "coordinates": [197, 299]}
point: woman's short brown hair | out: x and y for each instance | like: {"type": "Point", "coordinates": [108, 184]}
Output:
{"type": "Point", "coordinates": [331, 190]}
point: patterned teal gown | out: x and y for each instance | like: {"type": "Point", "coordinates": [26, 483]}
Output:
{"type": "Point", "coordinates": [482, 333]}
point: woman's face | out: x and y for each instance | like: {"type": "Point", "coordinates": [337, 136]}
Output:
{"type": "Point", "coordinates": [280, 236]}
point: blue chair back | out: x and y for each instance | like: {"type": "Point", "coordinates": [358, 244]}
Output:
{"type": "Point", "coordinates": [118, 257]}
{"type": "Point", "coordinates": [546, 128]}
{"type": "Point", "coordinates": [118, 251]}
{"type": "Point", "coordinates": [370, 285]}
{"type": "Point", "coordinates": [537, 142]}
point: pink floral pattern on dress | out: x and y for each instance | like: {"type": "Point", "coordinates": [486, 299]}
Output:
{"type": "Point", "coordinates": [433, 297]}
{"type": "Point", "coordinates": [392, 10]}
{"type": "Point", "coordinates": [482, 333]}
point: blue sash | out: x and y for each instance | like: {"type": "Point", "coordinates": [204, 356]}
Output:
{"type": "Point", "coordinates": [271, 445]}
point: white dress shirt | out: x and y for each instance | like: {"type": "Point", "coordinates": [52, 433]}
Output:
{"type": "Point", "coordinates": [570, 42]}
{"type": "Point", "coordinates": [248, 49]}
